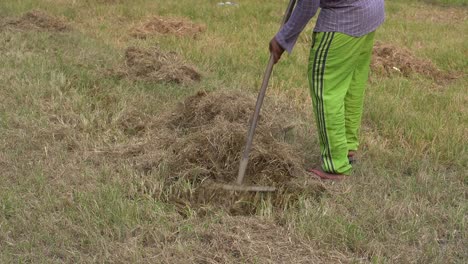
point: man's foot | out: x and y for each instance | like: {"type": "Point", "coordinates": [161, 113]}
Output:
{"type": "Point", "coordinates": [327, 176]}
{"type": "Point", "coordinates": [352, 156]}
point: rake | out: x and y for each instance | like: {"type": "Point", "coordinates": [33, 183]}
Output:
{"type": "Point", "coordinates": [238, 185]}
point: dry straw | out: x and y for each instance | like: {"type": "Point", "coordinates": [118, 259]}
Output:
{"type": "Point", "coordinates": [241, 240]}
{"type": "Point", "coordinates": [389, 59]}
{"type": "Point", "coordinates": [37, 20]}
{"type": "Point", "coordinates": [153, 65]}
{"type": "Point", "coordinates": [167, 26]}
{"type": "Point", "coordinates": [199, 143]}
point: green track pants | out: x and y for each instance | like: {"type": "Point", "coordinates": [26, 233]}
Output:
{"type": "Point", "coordinates": [338, 73]}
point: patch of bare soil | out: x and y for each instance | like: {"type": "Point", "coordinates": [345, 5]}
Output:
{"type": "Point", "coordinates": [388, 59]}
{"type": "Point", "coordinates": [37, 20]}
{"type": "Point", "coordinates": [198, 144]}
{"type": "Point", "coordinates": [240, 240]}
{"type": "Point", "coordinates": [154, 65]}
{"type": "Point", "coordinates": [167, 26]}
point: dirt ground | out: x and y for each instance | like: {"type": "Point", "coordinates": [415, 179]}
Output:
{"type": "Point", "coordinates": [36, 20]}
{"type": "Point", "coordinates": [154, 65]}
{"type": "Point", "coordinates": [181, 27]}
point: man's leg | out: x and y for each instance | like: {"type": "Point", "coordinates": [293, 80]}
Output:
{"type": "Point", "coordinates": [355, 96]}
{"type": "Point", "coordinates": [331, 67]}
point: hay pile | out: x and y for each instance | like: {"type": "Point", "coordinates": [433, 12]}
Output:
{"type": "Point", "coordinates": [200, 143]}
{"type": "Point", "coordinates": [167, 26]}
{"type": "Point", "coordinates": [153, 65]}
{"type": "Point", "coordinates": [37, 20]}
{"type": "Point", "coordinates": [388, 59]}
{"type": "Point", "coordinates": [211, 131]}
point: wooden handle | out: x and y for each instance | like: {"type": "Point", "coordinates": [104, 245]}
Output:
{"type": "Point", "coordinates": [266, 78]}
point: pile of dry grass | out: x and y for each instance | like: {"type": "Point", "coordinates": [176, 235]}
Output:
{"type": "Point", "coordinates": [37, 20]}
{"type": "Point", "coordinates": [389, 59]}
{"type": "Point", "coordinates": [199, 143]}
{"type": "Point", "coordinates": [167, 26]}
{"type": "Point", "coordinates": [154, 65]}
{"type": "Point", "coordinates": [211, 131]}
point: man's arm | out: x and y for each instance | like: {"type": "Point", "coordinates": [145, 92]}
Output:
{"type": "Point", "coordinates": [289, 33]}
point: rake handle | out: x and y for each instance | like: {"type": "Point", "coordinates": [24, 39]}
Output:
{"type": "Point", "coordinates": [261, 95]}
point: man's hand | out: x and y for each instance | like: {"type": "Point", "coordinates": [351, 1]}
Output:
{"type": "Point", "coordinates": [276, 50]}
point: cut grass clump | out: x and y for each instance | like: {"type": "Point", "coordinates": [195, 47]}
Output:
{"type": "Point", "coordinates": [154, 26]}
{"type": "Point", "coordinates": [153, 65]}
{"type": "Point", "coordinates": [211, 130]}
{"type": "Point", "coordinates": [37, 20]}
{"type": "Point", "coordinates": [388, 60]}
{"type": "Point", "coordinates": [198, 145]}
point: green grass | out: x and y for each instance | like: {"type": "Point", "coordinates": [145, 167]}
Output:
{"type": "Point", "coordinates": [448, 2]}
{"type": "Point", "coordinates": [406, 202]}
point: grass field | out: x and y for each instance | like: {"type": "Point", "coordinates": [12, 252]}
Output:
{"type": "Point", "coordinates": [60, 202]}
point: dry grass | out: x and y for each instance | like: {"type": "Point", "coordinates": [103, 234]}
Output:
{"type": "Point", "coordinates": [167, 26]}
{"type": "Point", "coordinates": [153, 65]}
{"type": "Point", "coordinates": [103, 169]}
{"type": "Point", "coordinates": [199, 143]}
{"type": "Point", "coordinates": [36, 20]}
{"type": "Point", "coordinates": [390, 60]}
{"type": "Point", "coordinates": [243, 240]}
{"type": "Point", "coordinates": [437, 15]}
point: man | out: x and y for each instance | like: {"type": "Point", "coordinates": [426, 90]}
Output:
{"type": "Point", "coordinates": [338, 71]}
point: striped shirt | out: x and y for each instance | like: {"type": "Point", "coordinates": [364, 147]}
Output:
{"type": "Point", "coordinates": [351, 17]}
